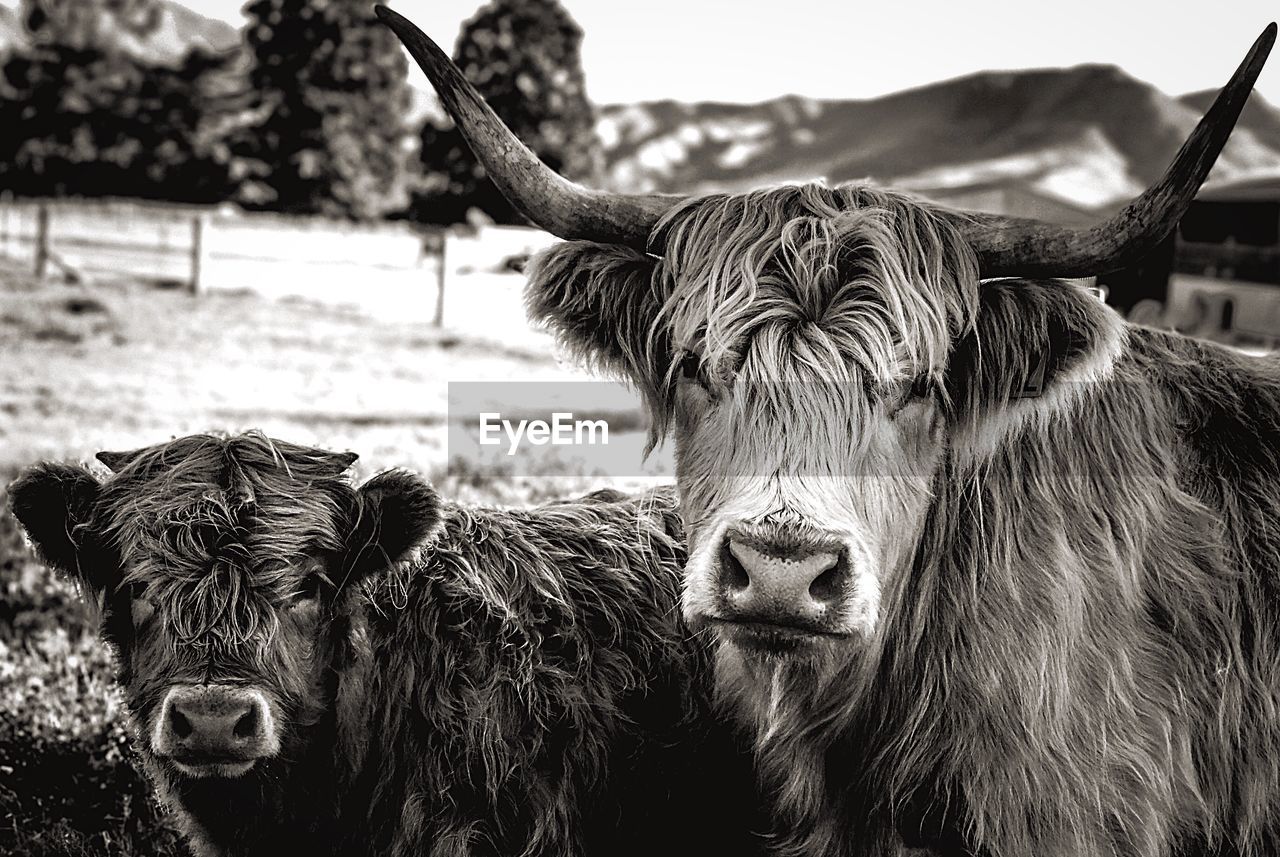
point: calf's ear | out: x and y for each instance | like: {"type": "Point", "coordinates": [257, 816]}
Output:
{"type": "Point", "coordinates": [396, 513]}
{"type": "Point", "coordinates": [117, 461]}
{"type": "Point", "coordinates": [54, 502]}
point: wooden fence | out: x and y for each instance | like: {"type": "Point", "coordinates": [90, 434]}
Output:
{"type": "Point", "coordinates": [462, 277]}
{"type": "Point", "coordinates": [206, 249]}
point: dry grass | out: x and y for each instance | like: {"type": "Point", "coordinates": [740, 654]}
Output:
{"type": "Point", "coordinates": [114, 365]}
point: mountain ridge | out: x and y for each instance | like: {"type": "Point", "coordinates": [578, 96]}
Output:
{"type": "Point", "coordinates": [178, 31]}
{"type": "Point", "coordinates": [1043, 129]}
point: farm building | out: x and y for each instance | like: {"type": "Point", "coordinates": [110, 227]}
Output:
{"type": "Point", "coordinates": [1217, 276]}
{"type": "Point", "coordinates": [1232, 232]}
{"type": "Point", "coordinates": [1226, 267]}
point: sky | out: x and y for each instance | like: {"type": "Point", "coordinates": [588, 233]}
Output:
{"type": "Point", "coordinates": [751, 50]}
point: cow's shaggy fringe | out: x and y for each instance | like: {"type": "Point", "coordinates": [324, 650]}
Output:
{"type": "Point", "coordinates": [1083, 657]}
{"type": "Point", "coordinates": [811, 275]}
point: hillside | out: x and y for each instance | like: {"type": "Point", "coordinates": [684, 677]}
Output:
{"type": "Point", "coordinates": [179, 31]}
{"type": "Point", "coordinates": [1259, 116]}
{"type": "Point", "coordinates": [1090, 135]}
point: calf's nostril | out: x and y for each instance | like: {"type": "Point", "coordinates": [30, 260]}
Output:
{"type": "Point", "coordinates": [247, 725]}
{"type": "Point", "coordinates": [180, 725]}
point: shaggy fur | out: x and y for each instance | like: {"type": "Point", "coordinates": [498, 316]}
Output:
{"type": "Point", "coordinates": [830, 286]}
{"type": "Point", "coordinates": [1074, 646]}
{"type": "Point", "coordinates": [521, 685]}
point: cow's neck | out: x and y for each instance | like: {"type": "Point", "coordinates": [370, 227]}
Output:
{"type": "Point", "coordinates": [1082, 562]}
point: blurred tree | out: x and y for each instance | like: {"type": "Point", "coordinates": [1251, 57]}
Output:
{"type": "Point", "coordinates": [525, 58]}
{"type": "Point", "coordinates": [329, 135]}
{"type": "Point", "coordinates": [83, 117]}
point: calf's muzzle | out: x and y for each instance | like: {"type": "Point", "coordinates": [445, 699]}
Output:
{"type": "Point", "coordinates": [215, 729]}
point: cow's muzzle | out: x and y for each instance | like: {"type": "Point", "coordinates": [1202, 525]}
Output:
{"type": "Point", "coordinates": [778, 593]}
{"type": "Point", "coordinates": [214, 730]}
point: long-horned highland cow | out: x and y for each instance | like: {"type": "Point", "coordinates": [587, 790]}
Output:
{"type": "Point", "coordinates": [955, 617]}
{"type": "Point", "coordinates": [314, 668]}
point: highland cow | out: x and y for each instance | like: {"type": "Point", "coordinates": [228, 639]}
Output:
{"type": "Point", "coordinates": [314, 668]}
{"type": "Point", "coordinates": [990, 570]}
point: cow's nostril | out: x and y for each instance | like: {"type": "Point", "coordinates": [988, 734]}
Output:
{"type": "Point", "coordinates": [826, 587]}
{"type": "Point", "coordinates": [734, 575]}
{"type": "Point", "coordinates": [180, 725]}
{"type": "Point", "coordinates": [247, 725]}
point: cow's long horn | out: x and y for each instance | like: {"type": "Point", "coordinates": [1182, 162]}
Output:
{"type": "Point", "coordinates": [1013, 246]}
{"type": "Point", "coordinates": [548, 199]}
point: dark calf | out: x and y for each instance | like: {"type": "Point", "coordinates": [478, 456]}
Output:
{"type": "Point", "coordinates": [337, 670]}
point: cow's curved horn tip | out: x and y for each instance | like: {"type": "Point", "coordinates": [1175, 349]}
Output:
{"type": "Point", "coordinates": [1267, 38]}
{"type": "Point", "coordinates": [385, 14]}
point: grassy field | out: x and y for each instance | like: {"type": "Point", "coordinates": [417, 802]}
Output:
{"type": "Point", "coordinates": [116, 365]}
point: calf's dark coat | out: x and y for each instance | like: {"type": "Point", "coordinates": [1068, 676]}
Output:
{"type": "Point", "coordinates": [520, 685]}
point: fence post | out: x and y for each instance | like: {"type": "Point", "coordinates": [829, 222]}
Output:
{"type": "Point", "coordinates": [199, 255]}
{"type": "Point", "coordinates": [42, 240]}
{"type": "Point", "coordinates": [438, 321]}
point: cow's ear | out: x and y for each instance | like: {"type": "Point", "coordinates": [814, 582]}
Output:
{"type": "Point", "coordinates": [1028, 336]}
{"type": "Point", "coordinates": [601, 301]}
{"type": "Point", "coordinates": [397, 512]}
{"type": "Point", "coordinates": [54, 503]}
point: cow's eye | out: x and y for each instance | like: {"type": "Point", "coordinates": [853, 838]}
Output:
{"type": "Point", "coordinates": [908, 392]}
{"type": "Point", "coordinates": [921, 387]}
{"type": "Point", "coordinates": [691, 367]}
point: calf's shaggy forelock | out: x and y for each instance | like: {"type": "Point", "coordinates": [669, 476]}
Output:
{"type": "Point", "coordinates": [211, 531]}
{"type": "Point", "coordinates": [316, 667]}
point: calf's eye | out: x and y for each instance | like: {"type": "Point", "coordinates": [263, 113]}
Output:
{"type": "Point", "coordinates": [310, 589]}
{"type": "Point", "coordinates": [141, 610]}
